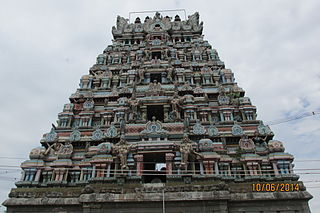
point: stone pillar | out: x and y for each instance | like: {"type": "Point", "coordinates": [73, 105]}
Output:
{"type": "Point", "coordinates": [216, 168]}
{"type": "Point", "coordinates": [139, 160]}
{"type": "Point", "coordinates": [221, 116]}
{"type": "Point", "coordinates": [90, 82]}
{"type": "Point", "coordinates": [66, 173]}
{"type": "Point", "coordinates": [61, 175]}
{"type": "Point", "coordinates": [229, 169]}
{"type": "Point", "coordinates": [195, 117]}
{"type": "Point", "coordinates": [193, 168]}
{"type": "Point", "coordinates": [37, 178]}
{"type": "Point", "coordinates": [243, 115]}
{"type": "Point", "coordinates": [103, 170]}
{"type": "Point", "coordinates": [210, 117]}
{"type": "Point", "coordinates": [250, 170]}
{"type": "Point", "coordinates": [259, 167]}
{"type": "Point", "coordinates": [69, 121]}
{"type": "Point", "coordinates": [32, 175]}
{"type": "Point", "coordinates": [179, 171]}
{"type": "Point", "coordinates": [53, 175]}
{"type": "Point", "coordinates": [255, 170]}
{"type": "Point", "coordinates": [201, 168]}
{"type": "Point", "coordinates": [244, 167]}
{"type": "Point", "coordinates": [56, 175]}
{"type": "Point", "coordinates": [90, 122]}
{"type": "Point", "coordinates": [108, 170]}
{"type": "Point", "coordinates": [191, 79]}
{"type": "Point", "coordinates": [81, 174]}
{"type": "Point", "coordinates": [169, 161]}
{"type": "Point", "coordinates": [290, 168]}
{"type": "Point", "coordinates": [281, 168]}
{"type": "Point", "coordinates": [94, 171]}
{"type": "Point", "coordinates": [23, 175]}
{"type": "Point", "coordinates": [275, 168]}
{"type": "Point", "coordinates": [166, 113]}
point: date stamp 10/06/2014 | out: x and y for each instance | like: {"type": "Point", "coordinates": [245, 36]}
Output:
{"type": "Point", "coordinates": [275, 187]}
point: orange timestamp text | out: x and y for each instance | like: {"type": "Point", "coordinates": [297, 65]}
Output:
{"type": "Point", "coordinates": [275, 187]}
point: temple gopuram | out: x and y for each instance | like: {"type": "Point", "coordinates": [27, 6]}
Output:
{"type": "Point", "coordinates": [159, 125]}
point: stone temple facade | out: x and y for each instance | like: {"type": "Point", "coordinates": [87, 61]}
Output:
{"type": "Point", "coordinates": [159, 125]}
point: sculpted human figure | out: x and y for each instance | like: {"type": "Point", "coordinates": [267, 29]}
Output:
{"type": "Point", "coordinates": [213, 54]}
{"type": "Point", "coordinates": [141, 75]}
{"type": "Point", "coordinates": [222, 90]}
{"type": "Point", "coordinates": [139, 55]}
{"type": "Point", "coordinates": [246, 143]}
{"type": "Point", "coordinates": [154, 88]}
{"type": "Point", "coordinates": [186, 149]}
{"type": "Point", "coordinates": [121, 149]}
{"type": "Point", "coordinates": [121, 22]}
{"type": "Point", "coordinates": [100, 59]}
{"type": "Point", "coordinates": [55, 147]}
{"type": "Point", "coordinates": [98, 74]}
{"type": "Point", "coordinates": [134, 103]}
{"type": "Point", "coordinates": [67, 148]}
{"type": "Point", "coordinates": [169, 74]}
{"type": "Point", "coordinates": [87, 146]}
{"type": "Point", "coordinates": [175, 104]}
{"type": "Point", "coordinates": [259, 140]}
{"type": "Point", "coordinates": [157, 85]}
{"type": "Point", "coordinates": [97, 78]}
{"type": "Point", "coordinates": [122, 122]}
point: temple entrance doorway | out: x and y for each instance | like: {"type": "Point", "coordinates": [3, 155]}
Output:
{"type": "Point", "coordinates": [154, 168]}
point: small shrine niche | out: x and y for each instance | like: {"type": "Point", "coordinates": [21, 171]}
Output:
{"type": "Point", "coordinates": [156, 55]}
{"type": "Point", "coordinates": [155, 112]}
{"type": "Point", "coordinates": [156, 77]}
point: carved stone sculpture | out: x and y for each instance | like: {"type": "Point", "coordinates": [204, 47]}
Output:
{"type": "Point", "coordinates": [186, 149]}
{"type": "Point", "coordinates": [121, 149]}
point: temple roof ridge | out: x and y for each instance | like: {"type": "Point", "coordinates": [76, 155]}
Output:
{"type": "Point", "coordinates": [157, 24]}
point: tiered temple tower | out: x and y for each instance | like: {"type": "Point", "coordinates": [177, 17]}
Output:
{"type": "Point", "coordinates": [159, 122]}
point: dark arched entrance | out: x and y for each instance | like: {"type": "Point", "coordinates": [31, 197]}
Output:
{"type": "Point", "coordinates": [154, 168]}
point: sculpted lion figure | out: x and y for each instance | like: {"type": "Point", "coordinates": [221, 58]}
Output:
{"type": "Point", "coordinates": [193, 20]}
{"type": "Point", "coordinates": [121, 23]}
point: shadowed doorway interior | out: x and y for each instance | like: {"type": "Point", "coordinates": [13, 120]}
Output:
{"type": "Point", "coordinates": [154, 168]}
{"type": "Point", "coordinates": [156, 111]}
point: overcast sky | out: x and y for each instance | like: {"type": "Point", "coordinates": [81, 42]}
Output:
{"type": "Point", "coordinates": [272, 47]}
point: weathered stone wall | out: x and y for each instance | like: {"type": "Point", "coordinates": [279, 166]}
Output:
{"type": "Point", "coordinates": [185, 202]}
{"type": "Point", "coordinates": [283, 206]}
